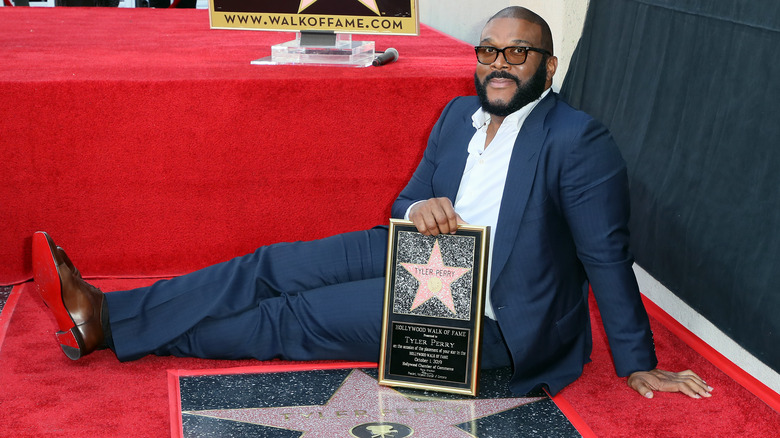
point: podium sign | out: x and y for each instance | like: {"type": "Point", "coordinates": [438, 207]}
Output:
{"type": "Point", "coordinates": [434, 301]}
{"type": "Point", "coordinates": [339, 16]}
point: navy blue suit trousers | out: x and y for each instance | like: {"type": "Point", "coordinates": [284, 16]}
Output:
{"type": "Point", "coordinates": [316, 300]}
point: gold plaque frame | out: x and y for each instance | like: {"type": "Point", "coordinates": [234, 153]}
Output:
{"type": "Point", "coordinates": [395, 17]}
{"type": "Point", "coordinates": [433, 307]}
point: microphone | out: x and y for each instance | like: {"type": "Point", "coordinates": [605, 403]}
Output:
{"type": "Point", "coordinates": [390, 55]}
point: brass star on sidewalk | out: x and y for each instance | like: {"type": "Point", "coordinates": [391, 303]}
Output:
{"type": "Point", "coordinates": [360, 407]}
{"type": "Point", "coordinates": [370, 4]}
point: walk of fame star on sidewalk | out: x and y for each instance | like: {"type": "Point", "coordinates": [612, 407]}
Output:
{"type": "Point", "coordinates": [360, 403]}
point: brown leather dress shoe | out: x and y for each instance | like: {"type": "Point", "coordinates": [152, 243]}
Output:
{"type": "Point", "coordinates": [76, 304]}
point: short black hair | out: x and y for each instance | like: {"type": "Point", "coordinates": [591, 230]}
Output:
{"type": "Point", "coordinates": [522, 13]}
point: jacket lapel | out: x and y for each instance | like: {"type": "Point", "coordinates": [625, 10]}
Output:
{"type": "Point", "coordinates": [457, 160]}
{"type": "Point", "coordinates": [520, 178]}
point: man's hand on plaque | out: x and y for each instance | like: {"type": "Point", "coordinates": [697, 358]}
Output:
{"type": "Point", "coordinates": [687, 382]}
{"type": "Point", "coordinates": [435, 216]}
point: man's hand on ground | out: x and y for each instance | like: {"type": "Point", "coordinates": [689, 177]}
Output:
{"type": "Point", "coordinates": [687, 382]}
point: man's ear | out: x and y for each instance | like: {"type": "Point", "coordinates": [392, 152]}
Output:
{"type": "Point", "coordinates": [552, 65]}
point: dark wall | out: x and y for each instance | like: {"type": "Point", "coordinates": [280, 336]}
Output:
{"type": "Point", "coordinates": [690, 90]}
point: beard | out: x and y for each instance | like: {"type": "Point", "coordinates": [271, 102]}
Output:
{"type": "Point", "coordinates": [526, 92]}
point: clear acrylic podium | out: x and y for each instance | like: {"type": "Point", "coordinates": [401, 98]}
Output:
{"type": "Point", "coordinates": [321, 48]}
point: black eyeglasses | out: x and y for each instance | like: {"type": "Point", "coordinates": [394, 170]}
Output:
{"type": "Point", "coordinates": [514, 55]}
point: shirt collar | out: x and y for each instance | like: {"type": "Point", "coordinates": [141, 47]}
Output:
{"type": "Point", "coordinates": [481, 118]}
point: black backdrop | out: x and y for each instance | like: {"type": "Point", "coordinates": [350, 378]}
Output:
{"type": "Point", "coordinates": [690, 91]}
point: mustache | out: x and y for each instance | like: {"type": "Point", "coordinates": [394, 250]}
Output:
{"type": "Point", "coordinates": [501, 75]}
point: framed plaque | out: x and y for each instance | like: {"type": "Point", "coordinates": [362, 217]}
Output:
{"type": "Point", "coordinates": [434, 302]}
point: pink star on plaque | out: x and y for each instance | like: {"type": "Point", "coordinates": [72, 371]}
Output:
{"type": "Point", "coordinates": [435, 279]}
{"type": "Point", "coordinates": [370, 4]}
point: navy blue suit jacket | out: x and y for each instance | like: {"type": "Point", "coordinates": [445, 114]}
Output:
{"type": "Point", "coordinates": [562, 225]}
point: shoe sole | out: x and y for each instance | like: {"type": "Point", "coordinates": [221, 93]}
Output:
{"type": "Point", "coordinates": [46, 274]}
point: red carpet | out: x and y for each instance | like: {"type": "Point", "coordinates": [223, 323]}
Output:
{"type": "Point", "coordinates": [46, 394]}
{"type": "Point", "coordinates": [611, 408]}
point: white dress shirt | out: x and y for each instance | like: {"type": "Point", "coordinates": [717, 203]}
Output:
{"type": "Point", "coordinates": [482, 185]}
